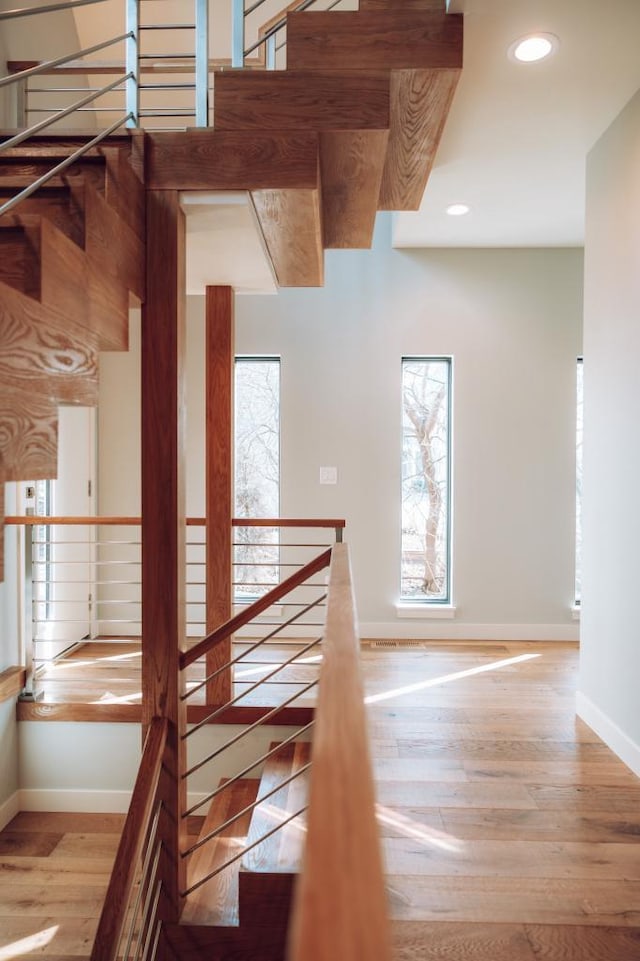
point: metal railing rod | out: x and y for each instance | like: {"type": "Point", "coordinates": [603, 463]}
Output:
{"type": "Point", "coordinates": [246, 770]}
{"type": "Point", "coordinates": [275, 28]}
{"type": "Point", "coordinates": [37, 127]}
{"type": "Point", "coordinates": [10, 204]}
{"type": "Point", "coordinates": [172, 86]}
{"type": "Point", "coordinates": [50, 8]}
{"type": "Point", "coordinates": [251, 727]}
{"type": "Point", "coordinates": [239, 697]}
{"type": "Point", "coordinates": [167, 26]}
{"type": "Point", "coordinates": [60, 89]}
{"type": "Point", "coordinates": [145, 875]}
{"type": "Point", "coordinates": [252, 648]}
{"type": "Point", "coordinates": [167, 56]}
{"type": "Point", "coordinates": [247, 847]}
{"type": "Point", "coordinates": [79, 110]}
{"type": "Point", "coordinates": [172, 112]}
{"type": "Point", "coordinates": [49, 64]}
{"type": "Point", "coordinates": [254, 804]}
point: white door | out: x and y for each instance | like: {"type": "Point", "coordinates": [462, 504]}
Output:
{"type": "Point", "coordinates": [70, 549]}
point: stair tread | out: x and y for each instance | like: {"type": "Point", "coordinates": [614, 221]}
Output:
{"type": "Point", "coordinates": [302, 100]}
{"type": "Point", "coordinates": [397, 39]}
{"type": "Point", "coordinates": [216, 901]}
{"type": "Point", "coordinates": [282, 852]}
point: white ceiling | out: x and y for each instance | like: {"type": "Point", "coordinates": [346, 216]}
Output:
{"type": "Point", "coordinates": [516, 140]}
{"type": "Point", "coordinates": [225, 244]}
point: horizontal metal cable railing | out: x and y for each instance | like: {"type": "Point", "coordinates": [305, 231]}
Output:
{"type": "Point", "coordinates": [46, 8]}
{"type": "Point", "coordinates": [271, 36]}
{"type": "Point", "coordinates": [263, 671]}
{"type": "Point", "coordinates": [129, 926]}
{"type": "Point", "coordinates": [82, 600]}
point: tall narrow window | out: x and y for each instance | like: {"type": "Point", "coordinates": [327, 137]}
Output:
{"type": "Point", "coordinates": [579, 421]}
{"type": "Point", "coordinates": [257, 472]}
{"type": "Point", "coordinates": [426, 473]}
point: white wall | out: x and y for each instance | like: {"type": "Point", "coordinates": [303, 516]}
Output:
{"type": "Point", "coordinates": [9, 657]}
{"type": "Point", "coordinates": [512, 321]}
{"type": "Point", "coordinates": [610, 652]}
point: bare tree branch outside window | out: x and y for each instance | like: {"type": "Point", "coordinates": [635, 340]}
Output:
{"type": "Point", "coordinates": [425, 478]}
{"type": "Point", "coordinates": [257, 472]}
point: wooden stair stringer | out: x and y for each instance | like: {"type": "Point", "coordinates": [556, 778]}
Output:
{"type": "Point", "coordinates": [216, 901]}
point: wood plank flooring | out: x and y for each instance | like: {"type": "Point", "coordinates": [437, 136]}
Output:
{"type": "Point", "coordinates": [510, 832]}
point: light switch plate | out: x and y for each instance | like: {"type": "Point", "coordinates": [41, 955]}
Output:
{"type": "Point", "coordinates": [328, 475]}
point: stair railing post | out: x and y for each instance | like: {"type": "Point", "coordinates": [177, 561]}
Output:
{"type": "Point", "coordinates": [28, 633]}
{"type": "Point", "coordinates": [21, 103]}
{"type": "Point", "coordinates": [132, 63]}
{"type": "Point", "coordinates": [202, 63]}
{"type": "Point", "coordinates": [271, 52]}
{"type": "Point", "coordinates": [237, 33]}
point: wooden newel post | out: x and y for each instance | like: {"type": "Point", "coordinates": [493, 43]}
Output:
{"type": "Point", "coordinates": [220, 354]}
{"type": "Point", "coordinates": [163, 520]}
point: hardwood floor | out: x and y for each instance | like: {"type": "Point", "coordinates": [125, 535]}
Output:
{"type": "Point", "coordinates": [510, 832]}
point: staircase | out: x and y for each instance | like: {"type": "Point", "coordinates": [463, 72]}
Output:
{"type": "Point", "coordinates": [72, 260]}
{"type": "Point", "coordinates": [244, 910]}
{"type": "Point", "coordinates": [351, 127]}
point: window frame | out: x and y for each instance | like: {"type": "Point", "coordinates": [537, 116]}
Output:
{"type": "Point", "coordinates": [406, 600]}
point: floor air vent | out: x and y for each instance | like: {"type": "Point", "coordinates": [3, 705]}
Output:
{"type": "Point", "coordinates": [387, 644]}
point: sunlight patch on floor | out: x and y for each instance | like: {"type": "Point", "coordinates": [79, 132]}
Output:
{"type": "Point", "coordinates": [447, 678]}
{"type": "Point", "coordinates": [426, 836]}
{"type": "Point", "coordinates": [29, 944]}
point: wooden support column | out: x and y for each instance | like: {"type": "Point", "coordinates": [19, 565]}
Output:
{"type": "Point", "coordinates": [163, 519]}
{"type": "Point", "coordinates": [220, 353]}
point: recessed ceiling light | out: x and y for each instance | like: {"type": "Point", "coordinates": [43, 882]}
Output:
{"type": "Point", "coordinates": [533, 47]}
{"type": "Point", "coordinates": [458, 210]}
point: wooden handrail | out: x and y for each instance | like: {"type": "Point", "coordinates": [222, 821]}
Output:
{"type": "Point", "coordinates": [123, 876]}
{"type": "Point", "coordinates": [258, 607]}
{"type": "Point", "coordinates": [12, 681]}
{"type": "Point", "coordinates": [31, 520]}
{"type": "Point", "coordinates": [340, 906]}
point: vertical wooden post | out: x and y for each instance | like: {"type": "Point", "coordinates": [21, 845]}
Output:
{"type": "Point", "coordinates": [220, 352]}
{"type": "Point", "coordinates": [163, 519]}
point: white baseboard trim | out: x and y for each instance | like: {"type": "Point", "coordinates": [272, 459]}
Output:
{"type": "Point", "coordinates": [606, 729]}
{"type": "Point", "coordinates": [9, 809]}
{"type": "Point", "coordinates": [87, 802]}
{"type": "Point", "coordinates": [455, 631]}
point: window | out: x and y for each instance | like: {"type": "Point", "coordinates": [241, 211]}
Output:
{"type": "Point", "coordinates": [257, 472]}
{"type": "Point", "coordinates": [426, 478]}
{"type": "Point", "coordinates": [579, 422]}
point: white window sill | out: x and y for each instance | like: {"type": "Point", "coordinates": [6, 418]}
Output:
{"type": "Point", "coordinates": [575, 612]}
{"type": "Point", "coordinates": [426, 611]}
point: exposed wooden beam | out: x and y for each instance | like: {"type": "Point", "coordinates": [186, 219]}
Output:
{"type": "Point", "coordinates": [220, 352]}
{"type": "Point", "coordinates": [163, 519]}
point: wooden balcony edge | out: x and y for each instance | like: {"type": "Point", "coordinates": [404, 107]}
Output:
{"type": "Point", "coordinates": [12, 681]}
{"type": "Point", "coordinates": [132, 713]}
